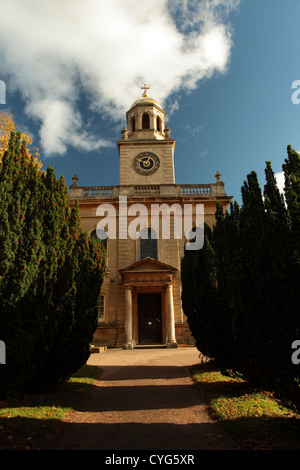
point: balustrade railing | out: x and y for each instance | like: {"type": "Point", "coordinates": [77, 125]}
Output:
{"type": "Point", "coordinates": [96, 191]}
{"type": "Point", "coordinates": [188, 190]}
{"type": "Point", "coordinates": [147, 190]}
{"type": "Point", "coordinates": [197, 189]}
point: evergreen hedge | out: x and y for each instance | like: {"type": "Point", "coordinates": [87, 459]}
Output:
{"type": "Point", "coordinates": [240, 292]}
{"type": "Point", "coordinates": [50, 276]}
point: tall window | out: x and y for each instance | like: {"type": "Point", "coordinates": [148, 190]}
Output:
{"type": "Point", "coordinates": [146, 121]}
{"type": "Point", "coordinates": [101, 308]}
{"type": "Point", "coordinates": [148, 244]}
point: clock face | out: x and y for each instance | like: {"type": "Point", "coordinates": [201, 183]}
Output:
{"type": "Point", "coordinates": [146, 163]}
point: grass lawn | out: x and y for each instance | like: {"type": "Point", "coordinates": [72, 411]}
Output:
{"type": "Point", "coordinates": [254, 418]}
{"type": "Point", "coordinates": [27, 422]}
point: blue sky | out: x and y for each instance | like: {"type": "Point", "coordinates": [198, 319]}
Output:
{"type": "Point", "coordinates": [70, 76]}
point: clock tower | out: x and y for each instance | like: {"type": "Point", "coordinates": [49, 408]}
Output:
{"type": "Point", "coordinates": [146, 150]}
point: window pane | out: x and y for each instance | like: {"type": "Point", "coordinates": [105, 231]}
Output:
{"type": "Point", "coordinates": [148, 246]}
{"type": "Point", "coordinates": [101, 308]}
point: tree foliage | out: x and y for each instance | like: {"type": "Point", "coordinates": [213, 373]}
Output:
{"type": "Point", "coordinates": [241, 291]}
{"type": "Point", "coordinates": [50, 275]}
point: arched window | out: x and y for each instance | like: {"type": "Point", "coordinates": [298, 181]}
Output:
{"type": "Point", "coordinates": [158, 124]}
{"type": "Point", "coordinates": [146, 121]}
{"type": "Point", "coordinates": [133, 124]}
{"type": "Point", "coordinates": [100, 235]}
{"type": "Point", "coordinates": [148, 244]}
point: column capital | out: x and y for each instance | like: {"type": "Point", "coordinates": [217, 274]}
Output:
{"type": "Point", "coordinates": [168, 284]}
{"type": "Point", "coordinates": [129, 287]}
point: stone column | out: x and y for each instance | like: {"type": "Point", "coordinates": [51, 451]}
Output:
{"type": "Point", "coordinates": [171, 338]}
{"type": "Point", "coordinates": [128, 319]}
{"type": "Point", "coordinates": [138, 120]}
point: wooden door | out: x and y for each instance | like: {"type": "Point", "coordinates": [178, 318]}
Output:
{"type": "Point", "coordinates": [150, 318]}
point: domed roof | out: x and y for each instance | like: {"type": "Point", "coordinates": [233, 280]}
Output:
{"type": "Point", "coordinates": [145, 100]}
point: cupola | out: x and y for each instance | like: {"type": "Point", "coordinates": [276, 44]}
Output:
{"type": "Point", "coordinates": [146, 120]}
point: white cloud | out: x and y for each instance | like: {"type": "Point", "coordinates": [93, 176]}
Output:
{"type": "Point", "coordinates": [109, 49]}
{"type": "Point", "coordinates": [173, 107]}
{"type": "Point", "coordinates": [62, 126]}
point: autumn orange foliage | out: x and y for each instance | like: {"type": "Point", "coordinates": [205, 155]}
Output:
{"type": "Point", "coordinates": [6, 127]}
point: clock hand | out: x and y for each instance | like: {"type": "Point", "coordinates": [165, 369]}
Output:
{"type": "Point", "coordinates": [146, 162]}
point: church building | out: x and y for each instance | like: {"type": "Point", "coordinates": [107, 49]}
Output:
{"type": "Point", "coordinates": [145, 222]}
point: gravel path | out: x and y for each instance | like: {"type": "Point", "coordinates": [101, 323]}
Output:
{"type": "Point", "coordinates": [144, 400]}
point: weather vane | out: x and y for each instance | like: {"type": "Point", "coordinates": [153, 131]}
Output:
{"type": "Point", "coordinates": [145, 87]}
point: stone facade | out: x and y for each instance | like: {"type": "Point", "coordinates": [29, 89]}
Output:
{"type": "Point", "coordinates": [140, 301]}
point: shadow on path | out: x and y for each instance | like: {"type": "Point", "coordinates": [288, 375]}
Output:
{"type": "Point", "coordinates": [143, 401]}
{"type": "Point", "coordinates": [140, 436]}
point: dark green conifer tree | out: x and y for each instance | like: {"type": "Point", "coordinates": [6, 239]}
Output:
{"type": "Point", "coordinates": [21, 248]}
{"type": "Point", "coordinates": [244, 290]}
{"type": "Point", "coordinates": [291, 168]}
{"type": "Point", "coordinates": [43, 255]}
{"type": "Point", "coordinates": [199, 292]}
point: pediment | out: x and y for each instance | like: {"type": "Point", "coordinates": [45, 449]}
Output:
{"type": "Point", "coordinates": [148, 265]}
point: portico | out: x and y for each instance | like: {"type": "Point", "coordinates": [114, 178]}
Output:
{"type": "Point", "coordinates": [149, 307]}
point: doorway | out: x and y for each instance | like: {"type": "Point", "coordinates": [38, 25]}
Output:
{"type": "Point", "coordinates": [149, 318]}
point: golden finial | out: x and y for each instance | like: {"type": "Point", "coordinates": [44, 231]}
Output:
{"type": "Point", "coordinates": [145, 87]}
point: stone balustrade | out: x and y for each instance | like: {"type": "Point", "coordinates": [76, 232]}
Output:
{"type": "Point", "coordinates": [176, 190]}
{"type": "Point", "coordinates": [191, 189]}
{"type": "Point", "coordinates": [147, 190]}
{"type": "Point", "coordinates": [98, 191]}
